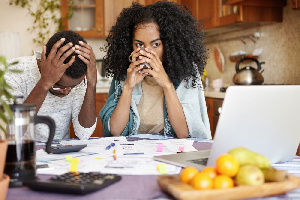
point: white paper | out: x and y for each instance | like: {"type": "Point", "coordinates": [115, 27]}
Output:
{"type": "Point", "coordinates": [132, 157]}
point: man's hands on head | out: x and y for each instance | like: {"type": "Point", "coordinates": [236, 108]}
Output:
{"type": "Point", "coordinates": [86, 54]}
{"type": "Point", "coordinates": [53, 67]}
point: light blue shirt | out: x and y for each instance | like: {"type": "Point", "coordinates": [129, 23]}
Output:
{"type": "Point", "coordinates": [192, 101]}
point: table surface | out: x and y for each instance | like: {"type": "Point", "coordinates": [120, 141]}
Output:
{"type": "Point", "coordinates": [130, 187]}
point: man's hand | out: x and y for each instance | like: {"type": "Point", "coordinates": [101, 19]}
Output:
{"type": "Point", "coordinates": [86, 54]}
{"type": "Point", "coordinates": [53, 67]}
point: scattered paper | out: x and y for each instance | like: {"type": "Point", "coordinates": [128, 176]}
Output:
{"type": "Point", "coordinates": [125, 157]}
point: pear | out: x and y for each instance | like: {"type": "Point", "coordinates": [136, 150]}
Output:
{"type": "Point", "coordinates": [249, 175]}
{"type": "Point", "coordinates": [275, 175]}
{"type": "Point", "coordinates": [248, 157]}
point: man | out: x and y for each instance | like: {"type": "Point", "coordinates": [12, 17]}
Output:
{"type": "Point", "coordinates": [62, 85]}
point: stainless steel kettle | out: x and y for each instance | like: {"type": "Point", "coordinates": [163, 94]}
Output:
{"type": "Point", "coordinates": [248, 75]}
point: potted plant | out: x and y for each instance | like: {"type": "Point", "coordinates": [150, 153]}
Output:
{"type": "Point", "coordinates": [5, 115]}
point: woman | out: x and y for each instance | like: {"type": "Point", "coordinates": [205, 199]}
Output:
{"type": "Point", "coordinates": [167, 96]}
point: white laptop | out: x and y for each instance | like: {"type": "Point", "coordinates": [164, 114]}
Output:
{"type": "Point", "coordinates": [264, 119]}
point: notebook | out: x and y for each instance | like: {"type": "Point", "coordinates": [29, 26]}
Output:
{"type": "Point", "coordinates": [264, 119]}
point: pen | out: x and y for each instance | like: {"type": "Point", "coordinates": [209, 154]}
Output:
{"type": "Point", "coordinates": [133, 153]}
{"type": "Point", "coordinates": [109, 146]}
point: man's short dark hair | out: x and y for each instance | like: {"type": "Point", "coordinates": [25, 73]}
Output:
{"type": "Point", "coordinates": [78, 68]}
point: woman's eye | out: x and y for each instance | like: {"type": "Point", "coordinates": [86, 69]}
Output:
{"type": "Point", "coordinates": [139, 45]}
{"type": "Point", "coordinates": [156, 44]}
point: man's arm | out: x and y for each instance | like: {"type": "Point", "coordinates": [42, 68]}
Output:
{"type": "Point", "coordinates": [37, 95]}
{"type": "Point", "coordinates": [52, 68]}
{"type": "Point", "coordinates": [88, 115]}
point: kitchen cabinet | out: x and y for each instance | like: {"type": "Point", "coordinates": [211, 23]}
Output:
{"type": "Point", "coordinates": [149, 2]}
{"type": "Point", "coordinates": [210, 113]}
{"type": "Point", "coordinates": [101, 98]}
{"type": "Point", "coordinates": [220, 16]}
{"type": "Point", "coordinates": [214, 107]}
{"type": "Point", "coordinates": [94, 18]}
{"type": "Point", "coordinates": [295, 4]}
{"type": "Point", "coordinates": [87, 19]}
{"type": "Point", "coordinates": [112, 9]}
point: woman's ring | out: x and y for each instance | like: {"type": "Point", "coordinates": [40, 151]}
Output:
{"type": "Point", "coordinates": [130, 58]}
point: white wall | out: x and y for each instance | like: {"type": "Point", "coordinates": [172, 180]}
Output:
{"type": "Point", "coordinates": [16, 19]}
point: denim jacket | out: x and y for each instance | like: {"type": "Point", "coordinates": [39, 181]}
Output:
{"type": "Point", "coordinates": [192, 101]}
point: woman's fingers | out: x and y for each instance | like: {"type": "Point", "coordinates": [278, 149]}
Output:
{"type": "Point", "coordinates": [133, 56]}
{"type": "Point", "coordinates": [152, 55]}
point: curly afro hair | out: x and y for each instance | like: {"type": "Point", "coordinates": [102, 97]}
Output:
{"type": "Point", "coordinates": [182, 35]}
{"type": "Point", "coordinates": [78, 68]}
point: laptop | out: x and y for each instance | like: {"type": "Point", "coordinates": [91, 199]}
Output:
{"type": "Point", "coordinates": [264, 119]}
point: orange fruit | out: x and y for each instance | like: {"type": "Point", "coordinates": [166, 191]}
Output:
{"type": "Point", "coordinates": [210, 171]}
{"type": "Point", "coordinates": [187, 174]}
{"type": "Point", "coordinates": [223, 181]}
{"type": "Point", "coordinates": [227, 164]}
{"type": "Point", "coordinates": [202, 181]}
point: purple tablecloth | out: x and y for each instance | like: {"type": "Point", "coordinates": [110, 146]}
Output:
{"type": "Point", "coordinates": [130, 187]}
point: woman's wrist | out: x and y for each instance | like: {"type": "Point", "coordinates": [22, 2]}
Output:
{"type": "Point", "coordinates": [127, 88]}
{"type": "Point", "coordinates": [168, 87]}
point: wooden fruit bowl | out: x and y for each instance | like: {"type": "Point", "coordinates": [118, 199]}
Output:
{"type": "Point", "coordinates": [172, 185]}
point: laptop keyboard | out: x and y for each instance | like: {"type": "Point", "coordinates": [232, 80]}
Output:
{"type": "Point", "coordinates": [200, 161]}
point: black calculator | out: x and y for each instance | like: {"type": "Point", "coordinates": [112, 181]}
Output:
{"type": "Point", "coordinates": [66, 148]}
{"type": "Point", "coordinates": [74, 183]}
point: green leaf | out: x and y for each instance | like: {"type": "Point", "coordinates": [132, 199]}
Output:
{"type": "Point", "coordinates": [16, 71]}
{"type": "Point", "coordinates": [7, 94]}
{"type": "Point", "coordinates": [3, 129]}
{"type": "Point", "coordinates": [7, 109]}
{"type": "Point", "coordinates": [3, 117]}
{"type": "Point", "coordinates": [13, 63]}
{"type": "Point", "coordinates": [3, 60]}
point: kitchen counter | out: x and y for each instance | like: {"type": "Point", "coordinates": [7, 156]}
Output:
{"type": "Point", "coordinates": [103, 85]}
{"type": "Point", "coordinates": [213, 93]}
{"type": "Point", "coordinates": [100, 90]}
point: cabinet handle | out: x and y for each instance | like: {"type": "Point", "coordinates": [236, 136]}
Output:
{"type": "Point", "coordinates": [99, 29]}
{"type": "Point", "coordinates": [220, 110]}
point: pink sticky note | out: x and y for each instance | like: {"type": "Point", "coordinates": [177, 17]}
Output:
{"type": "Point", "coordinates": [181, 149]}
{"type": "Point", "coordinates": [160, 147]}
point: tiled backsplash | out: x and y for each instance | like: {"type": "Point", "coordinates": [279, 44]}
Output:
{"type": "Point", "coordinates": [281, 51]}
